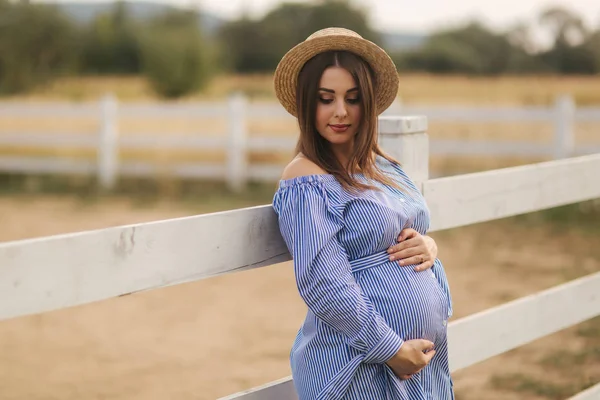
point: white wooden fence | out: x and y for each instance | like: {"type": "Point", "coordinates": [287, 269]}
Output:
{"type": "Point", "coordinates": [237, 111]}
{"type": "Point", "coordinates": [49, 273]}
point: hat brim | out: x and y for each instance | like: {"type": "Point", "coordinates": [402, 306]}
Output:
{"type": "Point", "coordinates": [286, 75]}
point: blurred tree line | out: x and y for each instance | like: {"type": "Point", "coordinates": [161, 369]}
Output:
{"type": "Point", "coordinates": [38, 43]}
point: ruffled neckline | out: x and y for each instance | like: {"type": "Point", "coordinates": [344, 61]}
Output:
{"type": "Point", "coordinates": [321, 178]}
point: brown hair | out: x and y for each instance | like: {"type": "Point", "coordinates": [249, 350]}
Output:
{"type": "Point", "coordinates": [316, 148]}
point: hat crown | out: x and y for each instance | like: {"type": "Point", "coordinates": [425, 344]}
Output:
{"type": "Point", "coordinates": [334, 32]}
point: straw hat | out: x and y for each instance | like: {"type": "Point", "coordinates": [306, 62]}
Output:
{"type": "Point", "coordinates": [286, 74]}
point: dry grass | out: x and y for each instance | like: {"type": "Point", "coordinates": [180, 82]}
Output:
{"type": "Point", "coordinates": [414, 88]}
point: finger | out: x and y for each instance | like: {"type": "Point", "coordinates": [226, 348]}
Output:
{"type": "Point", "coordinates": [423, 344]}
{"type": "Point", "coordinates": [429, 355]}
{"type": "Point", "coordinates": [414, 260]}
{"type": "Point", "coordinates": [411, 249]}
{"type": "Point", "coordinates": [424, 266]}
{"type": "Point", "coordinates": [407, 233]}
{"type": "Point", "coordinates": [405, 377]}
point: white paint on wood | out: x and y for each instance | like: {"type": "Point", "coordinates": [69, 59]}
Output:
{"type": "Point", "coordinates": [483, 196]}
{"type": "Point", "coordinates": [203, 109]}
{"type": "Point", "coordinates": [282, 389]}
{"type": "Point", "coordinates": [50, 273]}
{"type": "Point", "coordinates": [49, 140]}
{"type": "Point", "coordinates": [175, 141]}
{"type": "Point", "coordinates": [592, 393]}
{"type": "Point", "coordinates": [401, 125]}
{"type": "Point", "coordinates": [481, 114]}
{"type": "Point", "coordinates": [497, 330]}
{"type": "Point", "coordinates": [262, 172]}
{"type": "Point", "coordinates": [280, 143]}
{"type": "Point", "coordinates": [47, 165]}
{"type": "Point", "coordinates": [405, 139]}
{"type": "Point", "coordinates": [489, 147]}
{"type": "Point", "coordinates": [55, 272]}
{"type": "Point", "coordinates": [587, 114]}
{"type": "Point", "coordinates": [564, 140]}
{"type": "Point", "coordinates": [108, 144]}
{"type": "Point", "coordinates": [237, 162]}
{"type": "Point", "coordinates": [481, 336]}
{"type": "Point", "coordinates": [187, 170]}
{"type": "Point", "coordinates": [49, 109]}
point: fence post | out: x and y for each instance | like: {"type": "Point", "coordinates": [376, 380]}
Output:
{"type": "Point", "coordinates": [108, 151]}
{"type": "Point", "coordinates": [563, 132]}
{"type": "Point", "coordinates": [237, 164]}
{"type": "Point", "coordinates": [406, 139]}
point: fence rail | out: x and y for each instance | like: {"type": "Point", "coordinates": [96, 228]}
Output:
{"type": "Point", "coordinates": [44, 274]}
{"type": "Point", "coordinates": [238, 111]}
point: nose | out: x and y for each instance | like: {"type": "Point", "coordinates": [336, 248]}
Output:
{"type": "Point", "coordinates": [340, 109]}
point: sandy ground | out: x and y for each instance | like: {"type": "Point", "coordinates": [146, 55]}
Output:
{"type": "Point", "coordinates": [210, 338]}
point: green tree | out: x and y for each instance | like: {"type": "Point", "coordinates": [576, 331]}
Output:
{"type": "Point", "coordinates": [571, 53]}
{"type": "Point", "coordinates": [259, 45]}
{"type": "Point", "coordinates": [111, 43]}
{"type": "Point", "coordinates": [37, 43]}
{"type": "Point", "coordinates": [472, 49]}
{"type": "Point", "coordinates": [176, 60]}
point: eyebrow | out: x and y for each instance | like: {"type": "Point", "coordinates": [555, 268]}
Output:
{"type": "Point", "coordinates": [354, 89]}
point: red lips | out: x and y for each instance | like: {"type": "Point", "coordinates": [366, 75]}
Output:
{"type": "Point", "coordinates": [339, 128]}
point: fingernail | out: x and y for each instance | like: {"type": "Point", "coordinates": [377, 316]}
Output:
{"type": "Point", "coordinates": [392, 258]}
{"type": "Point", "coordinates": [401, 262]}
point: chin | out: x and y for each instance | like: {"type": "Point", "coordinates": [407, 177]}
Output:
{"type": "Point", "coordinates": [339, 139]}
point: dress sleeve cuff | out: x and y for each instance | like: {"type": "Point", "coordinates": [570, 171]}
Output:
{"type": "Point", "coordinates": [385, 349]}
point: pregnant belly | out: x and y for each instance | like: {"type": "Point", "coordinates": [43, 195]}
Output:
{"type": "Point", "coordinates": [412, 303]}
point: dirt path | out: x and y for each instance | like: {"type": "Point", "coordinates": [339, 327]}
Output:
{"type": "Point", "coordinates": [210, 338]}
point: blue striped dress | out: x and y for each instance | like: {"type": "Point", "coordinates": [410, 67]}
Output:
{"type": "Point", "coordinates": [361, 306]}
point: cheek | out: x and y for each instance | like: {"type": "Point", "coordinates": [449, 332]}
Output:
{"type": "Point", "coordinates": [322, 116]}
{"type": "Point", "coordinates": [356, 114]}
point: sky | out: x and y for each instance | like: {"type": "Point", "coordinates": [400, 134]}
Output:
{"type": "Point", "coordinates": [424, 15]}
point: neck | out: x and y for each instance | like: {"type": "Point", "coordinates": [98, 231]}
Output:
{"type": "Point", "coordinates": [342, 153]}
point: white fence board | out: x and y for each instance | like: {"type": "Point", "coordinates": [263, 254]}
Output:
{"type": "Point", "coordinates": [282, 389]}
{"type": "Point", "coordinates": [592, 393]}
{"type": "Point", "coordinates": [206, 109]}
{"type": "Point", "coordinates": [265, 171]}
{"type": "Point", "coordinates": [483, 114]}
{"type": "Point", "coordinates": [174, 141]}
{"type": "Point", "coordinates": [499, 329]}
{"type": "Point", "coordinates": [61, 271]}
{"type": "Point", "coordinates": [272, 143]}
{"type": "Point", "coordinates": [54, 110]}
{"type": "Point", "coordinates": [483, 335]}
{"type": "Point", "coordinates": [97, 263]}
{"type": "Point", "coordinates": [587, 114]}
{"type": "Point", "coordinates": [466, 199]}
{"type": "Point", "coordinates": [49, 139]}
{"type": "Point", "coordinates": [46, 165]}
{"type": "Point", "coordinates": [145, 169]}
{"type": "Point", "coordinates": [489, 147]}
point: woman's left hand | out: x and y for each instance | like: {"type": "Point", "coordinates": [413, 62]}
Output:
{"type": "Point", "coordinates": [414, 249]}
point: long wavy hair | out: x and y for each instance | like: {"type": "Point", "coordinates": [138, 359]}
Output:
{"type": "Point", "coordinates": [316, 148]}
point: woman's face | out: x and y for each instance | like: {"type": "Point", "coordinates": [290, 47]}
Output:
{"type": "Point", "coordinates": [338, 108]}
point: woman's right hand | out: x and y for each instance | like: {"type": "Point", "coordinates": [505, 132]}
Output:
{"type": "Point", "coordinates": [412, 357]}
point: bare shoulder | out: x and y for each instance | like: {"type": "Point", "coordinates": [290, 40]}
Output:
{"type": "Point", "coordinates": [301, 166]}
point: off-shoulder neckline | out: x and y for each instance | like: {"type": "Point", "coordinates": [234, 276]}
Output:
{"type": "Point", "coordinates": [283, 183]}
{"type": "Point", "coordinates": [308, 179]}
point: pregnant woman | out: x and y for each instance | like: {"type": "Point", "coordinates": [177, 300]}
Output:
{"type": "Point", "coordinates": [376, 325]}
